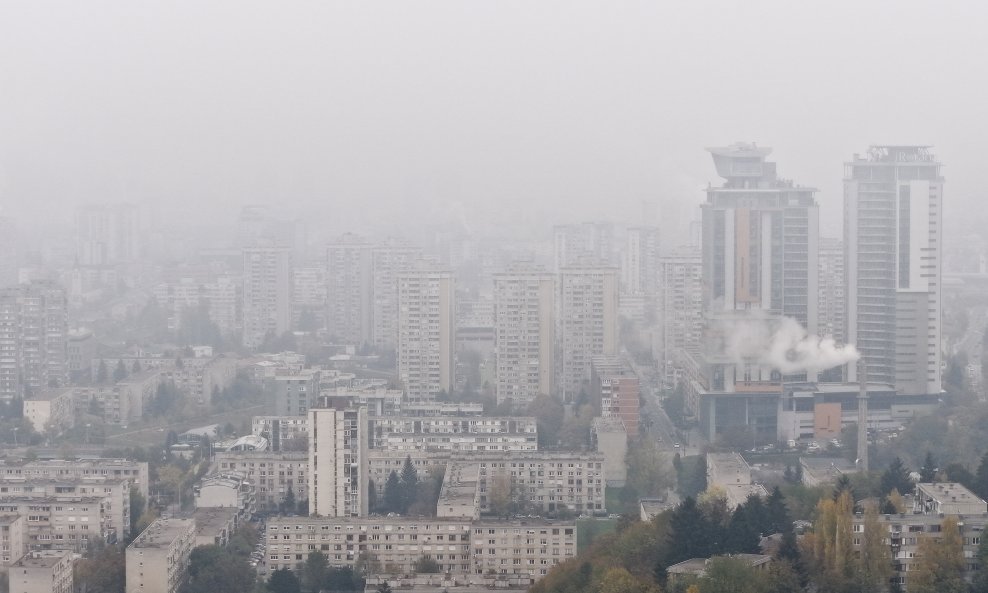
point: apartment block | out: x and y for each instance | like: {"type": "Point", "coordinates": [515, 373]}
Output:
{"type": "Point", "coordinates": [228, 490]}
{"type": "Point", "coordinates": [108, 234]}
{"type": "Point", "coordinates": [13, 539]}
{"type": "Point", "coordinates": [337, 462]}
{"type": "Point", "coordinates": [47, 571]}
{"type": "Point", "coordinates": [76, 470]}
{"type": "Point", "coordinates": [401, 433]}
{"type": "Point", "coordinates": [640, 262]}
{"type": "Point", "coordinates": [284, 433]}
{"type": "Point", "coordinates": [527, 548]}
{"type": "Point", "coordinates": [309, 298]}
{"type": "Point", "coordinates": [273, 474]}
{"type": "Point", "coordinates": [614, 387]}
{"type": "Point", "coordinates": [388, 260]}
{"type": "Point", "coordinates": [51, 411]}
{"type": "Point", "coordinates": [588, 323]}
{"type": "Point", "coordinates": [267, 293]}
{"type": "Point", "coordinates": [932, 504]}
{"type": "Point", "coordinates": [292, 392]}
{"type": "Point", "coordinates": [426, 332]}
{"type": "Point", "coordinates": [62, 523]}
{"type": "Point", "coordinates": [350, 286]}
{"type": "Point", "coordinates": [732, 473]}
{"type": "Point", "coordinates": [588, 241]}
{"type": "Point", "coordinates": [524, 335]}
{"type": "Point", "coordinates": [680, 310]}
{"type": "Point", "coordinates": [33, 339]}
{"type": "Point", "coordinates": [158, 560]}
{"type": "Point", "coordinates": [397, 542]}
{"type": "Point", "coordinates": [546, 481]}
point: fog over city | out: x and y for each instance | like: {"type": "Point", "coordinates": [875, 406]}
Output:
{"type": "Point", "coordinates": [388, 113]}
{"type": "Point", "coordinates": [456, 296]}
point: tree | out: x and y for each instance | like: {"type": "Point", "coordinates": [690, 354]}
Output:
{"type": "Point", "coordinates": [875, 559]}
{"type": "Point", "coordinates": [392, 493]}
{"type": "Point", "coordinates": [136, 367]}
{"type": "Point", "coordinates": [499, 497]}
{"type": "Point", "coordinates": [981, 478]}
{"type": "Point", "coordinates": [777, 513]}
{"type": "Point", "coordinates": [119, 373]}
{"type": "Point", "coordinates": [940, 565]}
{"type": "Point", "coordinates": [409, 484]}
{"type": "Point", "coordinates": [741, 536]}
{"type": "Point", "coordinates": [619, 580]}
{"type": "Point", "coordinates": [650, 471]}
{"type": "Point", "coordinates": [288, 503]}
{"type": "Point", "coordinates": [137, 504]}
{"type": "Point", "coordinates": [426, 564]}
{"type": "Point", "coordinates": [102, 572]}
{"type": "Point", "coordinates": [928, 472]}
{"type": "Point", "coordinates": [102, 373]}
{"type": "Point", "coordinates": [549, 414]}
{"type": "Point", "coordinates": [283, 581]}
{"type": "Point", "coordinates": [383, 587]}
{"type": "Point", "coordinates": [314, 572]}
{"type": "Point", "coordinates": [896, 476]}
{"type": "Point", "coordinates": [367, 564]}
{"type": "Point", "coordinates": [371, 496]}
{"type": "Point", "coordinates": [213, 569]}
{"type": "Point", "coordinates": [689, 533]}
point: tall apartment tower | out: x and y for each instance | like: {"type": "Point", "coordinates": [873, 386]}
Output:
{"type": "Point", "coordinates": [830, 312]}
{"type": "Point", "coordinates": [892, 235]}
{"type": "Point", "coordinates": [426, 331]}
{"type": "Point", "coordinates": [640, 261]}
{"type": "Point", "coordinates": [267, 293]}
{"type": "Point", "coordinates": [760, 245]}
{"type": "Point", "coordinates": [9, 250]}
{"type": "Point", "coordinates": [588, 241]}
{"type": "Point", "coordinates": [33, 339]}
{"type": "Point", "coordinates": [680, 308]}
{"type": "Point", "coordinates": [338, 462]}
{"type": "Point", "coordinates": [524, 334]}
{"type": "Point", "coordinates": [107, 234]}
{"type": "Point", "coordinates": [349, 289]}
{"type": "Point", "coordinates": [588, 322]}
{"type": "Point", "coordinates": [387, 261]}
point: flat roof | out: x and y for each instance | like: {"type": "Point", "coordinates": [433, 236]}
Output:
{"type": "Point", "coordinates": [161, 533]}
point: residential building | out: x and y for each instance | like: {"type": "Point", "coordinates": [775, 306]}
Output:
{"type": "Point", "coordinates": [391, 432]}
{"type": "Point", "coordinates": [426, 332]}
{"type": "Point", "coordinates": [51, 411]}
{"type": "Point", "coordinates": [388, 260]}
{"type": "Point", "coordinates": [267, 293]}
{"type": "Point", "coordinates": [230, 490]}
{"type": "Point", "coordinates": [13, 538]}
{"type": "Point", "coordinates": [547, 481]}
{"type": "Point", "coordinates": [108, 234]}
{"type": "Point", "coordinates": [610, 439]}
{"type": "Point", "coordinates": [216, 525]}
{"type": "Point", "coordinates": [893, 233]}
{"type": "Point", "coordinates": [284, 433]}
{"type": "Point", "coordinates": [42, 572]}
{"type": "Point", "coordinates": [274, 475]}
{"type": "Point", "coordinates": [585, 242]}
{"type": "Point", "coordinates": [831, 299]}
{"type": "Point", "coordinates": [134, 472]}
{"type": "Point", "coordinates": [730, 472]}
{"type": "Point", "coordinates": [528, 548]}
{"type": "Point", "coordinates": [33, 339]}
{"type": "Point", "coordinates": [64, 516]}
{"type": "Point", "coordinates": [524, 335]}
{"type": "Point", "coordinates": [904, 533]}
{"type": "Point", "coordinates": [338, 462]}
{"type": "Point", "coordinates": [309, 298]}
{"type": "Point", "coordinates": [349, 283]}
{"type": "Point", "coordinates": [292, 391]}
{"type": "Point", "coordinates": [640, 262]}
{"type": "Point", "coordinates": [614, 387]}
{"type": "Point", "coordinates": [680, 310]}
{"type": "Point", "coordinates": [588, 323]}
{"type": "Point", "coordinates": [158, 560]}
{"type": "Point", "coordinates": [80, 350]}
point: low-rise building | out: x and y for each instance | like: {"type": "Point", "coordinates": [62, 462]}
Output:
{"type": "Point", "coordinates": [54, 524]}
{"type": "Point", "coordinates": [731, 473]}
{"type": "Point", "coordinates": [158, 559]}
{"type": "Point", "coordinates": [42, 572]}
{"type": "Point", "coordinates": [230, 490]}
{"type": "Point", "coordinates": [818, 471]}
{"type": "Point", "coordinates": [13, 542]}
{"type": "Point", "coordinates": [452, 433]}
{"type": "Point", "coordinates": [51, 411]}
{"type": "Point", "coordinates": [459, 496]}
{"type": "Point", "coordinates": [215, 526]}
{"type": "Point", "coordinates": [695, 568]}
{"type": "Point", "coordinates": [526, 548]}
{"type": "Point", "coordinates": [273, 474]}
{"type": "Point", "coordinates": [114, 506]}
{"type": "Point", "coordinates": [549, 481]}
{"type": "Point", "coordinates": [932, 504]}
{"type": "Point", "coordinates": [610, 438]}
{"type": "Point", "coordinates": [134, 472]}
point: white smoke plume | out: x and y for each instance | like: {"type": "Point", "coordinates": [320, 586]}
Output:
{"type": "Point", "coordinates": [783, 344]}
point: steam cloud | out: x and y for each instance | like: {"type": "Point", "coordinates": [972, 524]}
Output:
{"type": "Point", "coordinates": [785, 345]}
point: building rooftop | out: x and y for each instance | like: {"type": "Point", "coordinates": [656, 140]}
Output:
{"type": "Point", "coordinates": [50, 394]}
{"type": "Point", "coordinates": [161, 533]}
{"type": "Point", "coordinates": [42, 558]}
{"type": "Point", "coordinates": [948, 494]}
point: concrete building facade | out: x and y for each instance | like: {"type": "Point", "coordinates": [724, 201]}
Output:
{"type": "Point", "coordinates": [267, 293]}
{"type": "Point", "coordinates": [338, 462]}
{"type": "Point", "coordinates": [524, 335]}
{"type": "Point", "coordinates": [426, 332]}
{"type": "Point", "coordinates": [157, 561]}
{"type": "Point", "coordinates": [588, 323]}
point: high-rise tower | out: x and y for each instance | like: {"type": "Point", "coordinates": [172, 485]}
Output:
{"type": "Point", "coordinates": [892, 235]}
{"type": "Point", "coordinates": [524, 334]}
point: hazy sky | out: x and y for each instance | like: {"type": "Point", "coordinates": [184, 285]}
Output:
{"type": "Point", "coordinates": [360, 112]}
